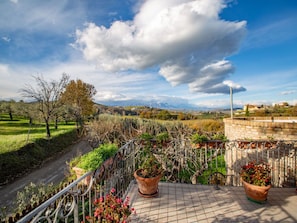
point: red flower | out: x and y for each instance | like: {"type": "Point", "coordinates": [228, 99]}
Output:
{"type": "Point", "coordinates": [111, 209]}
{"type": "Point", "coordinates": [257, 174]}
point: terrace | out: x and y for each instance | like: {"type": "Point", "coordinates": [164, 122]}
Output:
{"type": "Point", "coordinates": [203, 203]}
{"type": "Point", "coordinates": [201, 184]}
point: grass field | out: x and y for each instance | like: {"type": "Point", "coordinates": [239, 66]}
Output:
{"type": "Point", "coordinates": [17, 133]}
{"type": "Point", "coordinates": [205, 125]}
{"type": "Point", "coordinates": [24, 147]}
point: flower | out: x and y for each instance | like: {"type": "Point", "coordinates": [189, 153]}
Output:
{"type": "Point", "coordinates": [256, 174]}
{"type": "Point", "coordinates": [111, 209]}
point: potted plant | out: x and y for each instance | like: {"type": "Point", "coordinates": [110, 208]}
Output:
{"type": "Point", "coordinates": [150, 170]}
{"type": "Point", "coordinates": [256, 180]}
{"type": "Point", "coordinates": [110, 209]}
{"type": "Point", "coordinates": [92, 160]}
{"type": "Point", "coordinates": [199, 140]}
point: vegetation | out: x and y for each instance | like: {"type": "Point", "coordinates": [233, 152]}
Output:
{"type": "Point", "coordinates": [163, 114]}
{"type": "Point", "coordinates": [206, 126]}
{"type": "Point", "coordinates": [23, 142]}
{"type": "Point", "coordinates": [218, 165]}
{"type": "Point", "coordinates": [23, 146]}
{"type": "Point", "coordinates": [78, 99]}
{"type": "Point", "coordinates": [26, 199]}
{"type": "Point", "coordinates": [256, 173]}
{"type": "Point", "coordinates": [17, 133]}
{"type": "Point", "coordinates": [26, 137]}
{"type": "Point", "coordinates": [31, 132]}
{"type": "Point", "coordinates": [282, 109]}
{"type": "Point", "coordinates": [33, 194]}
{"type": "Point", "coordinates": [149, 165]}
{"type": "Point", "coordinates": [92, 160]}
{"type": "Point", "coordinates": [197, 138]}
{"type": "Point", "coordinates": [110, 208]}
{"type": "Point", "coordinates": [47, 95]}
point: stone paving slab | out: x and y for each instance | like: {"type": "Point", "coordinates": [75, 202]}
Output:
{"type": "Point", "coordinates": [187, 203]}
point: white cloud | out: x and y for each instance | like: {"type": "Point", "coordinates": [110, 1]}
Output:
{"type": "Point", "coordinates": [184, 38]}
{"type": "Point", "coordinates": [103, 96]}
{"type": "Point", "coordinates": [11, 82]}
{"type": "Point", "coordinates": [6, 39]}
{"type": "Point", "coordinates": [288, 92]}
{"type": "Point", "coordinates": [4, 69]}
{"type": "Point", "coordinates": [212, 79]}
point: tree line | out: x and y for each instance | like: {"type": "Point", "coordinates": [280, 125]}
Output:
{"type": "Point", "coordinates": [51, 100]}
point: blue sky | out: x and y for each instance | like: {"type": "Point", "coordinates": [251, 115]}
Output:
{"type": "Point", "coordinates": [180, 52]}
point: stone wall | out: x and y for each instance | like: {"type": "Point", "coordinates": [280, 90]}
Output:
{"type": "Point", "coordinates": [257, 132]}
{"type": "Point", "coordinates": [261, 128]}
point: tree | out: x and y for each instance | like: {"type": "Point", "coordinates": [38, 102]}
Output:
{"type": "Point", "coordinates": [79, 96]}
{"type": "Point", "coordinates": [27, 110]}
{"type": "Point", "coordinates": [47, 95]}
{"type": "Point", "coordinates": [181, 116]}
{"type": "Point", "coordinates": [146, 114]}
{"type": "Point", "coordinates": [247, 113]}
{"type": "Point", "coordinates": [164, 115]}
{"type": "Point", "coordinates": [8, 107]}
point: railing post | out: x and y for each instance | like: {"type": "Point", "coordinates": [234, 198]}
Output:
{"type": "Point", "coordinates": [75, 211]}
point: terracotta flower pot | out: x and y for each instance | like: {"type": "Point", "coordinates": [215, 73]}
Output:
{"type": "Point", "coordinates": [147, 187]}
{"type": "Point", "coordinates": [79, 173]}
{"type": "Point", "coordinates": [256, 193]}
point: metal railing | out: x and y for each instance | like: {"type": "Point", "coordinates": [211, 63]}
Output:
{"type": "Point", "coordinates": [213, 162]}
{"type": "Point", "coordinates": [75, 202]}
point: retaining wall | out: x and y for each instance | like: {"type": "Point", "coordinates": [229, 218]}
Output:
{"type": "Point", "coordinates": [261, 128]}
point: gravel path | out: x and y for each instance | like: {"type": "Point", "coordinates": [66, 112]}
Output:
{"type": "Point", "coordinates": [51, 172]}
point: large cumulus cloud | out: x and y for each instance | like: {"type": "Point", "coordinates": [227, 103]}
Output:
{"type": "Point", "coordinates": [185, 39]}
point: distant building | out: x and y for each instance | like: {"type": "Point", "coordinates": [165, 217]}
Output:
{"type": "Point", "coordinates": [252, 108]}
{"type": "Point", "coordinates": [281, 104]}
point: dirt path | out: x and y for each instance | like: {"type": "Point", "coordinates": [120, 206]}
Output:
{"type": "Point", "coordinates": [51, 172]}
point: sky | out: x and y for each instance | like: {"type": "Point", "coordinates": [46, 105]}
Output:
{"type": "Point", "coordinates": [186, 53]}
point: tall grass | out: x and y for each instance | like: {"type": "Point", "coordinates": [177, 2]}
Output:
{"type": "Point", "coordinates": [210, 126]}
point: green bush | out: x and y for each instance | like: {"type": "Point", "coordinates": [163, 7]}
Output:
{"type": "Point", "coordinates": [162, 137]}
{"type": "Point", "coordinates": [146, 136]}
{"type": "Point", "coordinates": [33, 194]}
{"type": "Point", "coordinates": [219, 136]}
{"type": "Point", "coordinates": [197, 138]}
{"type": "Point", "coordinates": [92, 160]}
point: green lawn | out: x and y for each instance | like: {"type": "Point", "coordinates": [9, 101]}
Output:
{"type": "Point", "coordinates": [24, 147]}
{"type": "Point", "coordinates": [17, 133]}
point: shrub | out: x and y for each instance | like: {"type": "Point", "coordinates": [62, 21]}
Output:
{"type": "Point", "coordinates": [146, 136]}
{"type": "Point", "coordinates": [197, 138]}
{"type": "Point", "coordinates": [92, 160]}
{"type": "Point", "coordinates": [111, 208]}
{"type": "Point", "coordinates": [33, 194]}
{"type": "Point", "coordinates": [219, 136]}
{"type": "Point", "coordinates": [162, 137]}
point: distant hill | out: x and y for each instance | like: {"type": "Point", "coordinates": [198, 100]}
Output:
{"type": "Point", "coordinates": [171, 105]}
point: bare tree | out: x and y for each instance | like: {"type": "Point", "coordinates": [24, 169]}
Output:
{"type": "Point", "coordinates": [47, 94]}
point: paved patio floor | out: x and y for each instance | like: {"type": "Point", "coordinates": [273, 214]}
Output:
{"type": "Point", "coordinates": [202, 203]}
